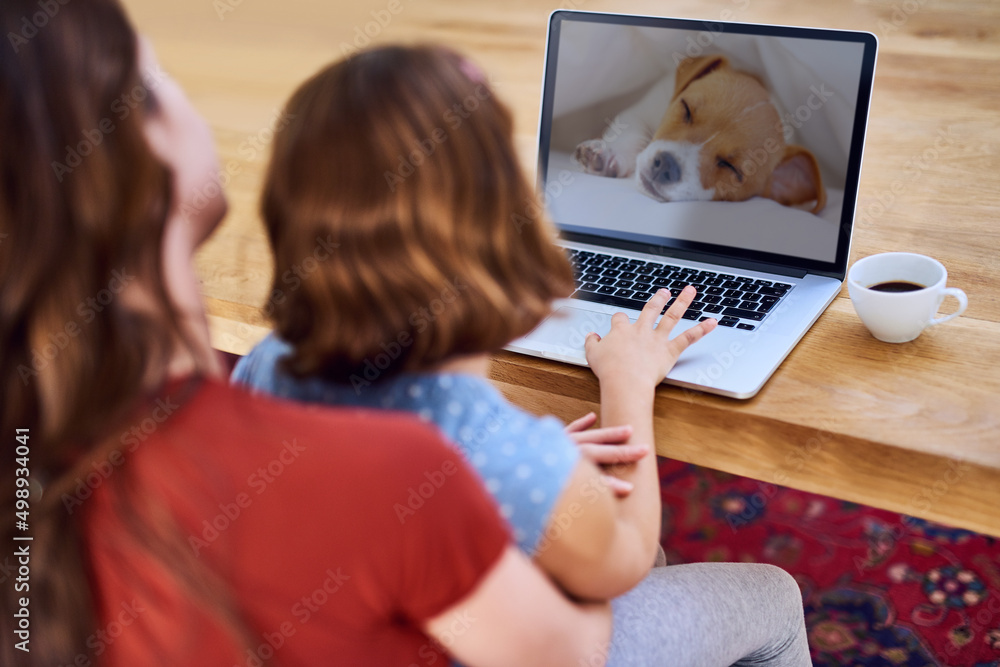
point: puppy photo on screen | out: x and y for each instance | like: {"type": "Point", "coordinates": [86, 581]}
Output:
{"type": "Point", "coordinates": [706, 132]}
{"type": "Point", "coordinates": [679, 137]}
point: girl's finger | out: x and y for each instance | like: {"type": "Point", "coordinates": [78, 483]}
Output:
{"type": "Point", "coordinates": [619, 319]}
{"type": "Point", "coordinates": [606, 455]}
{"type": "Point", "coordinates": [693, 335]}
{"type": "Point", "coordinates": [581, 424]}
{"type": "Point", "coordinates": [620, 487]}
{"type": "Point", "coordinates": [674, 312]}
{"type": "Point", "coordinates": [653, 308]}
{"type": "Point", "coordinates": [612, 435]}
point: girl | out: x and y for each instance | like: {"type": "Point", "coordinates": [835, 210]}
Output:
{"type": "Point", "coordinates": [404, 158]}
{"type": "Point", "coordinates": [165, 517]}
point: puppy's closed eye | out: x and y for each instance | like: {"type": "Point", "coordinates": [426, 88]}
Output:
{"type": "Point", "coordinates": [726, 164]}
{"type": "Point", "coordinates": [687, 113]}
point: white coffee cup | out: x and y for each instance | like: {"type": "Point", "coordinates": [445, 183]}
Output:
{"type": "Point", "coordinates": [899, 317]}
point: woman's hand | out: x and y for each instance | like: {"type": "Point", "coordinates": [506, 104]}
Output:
{"type": "Point", "coordinates": [604, 448]}
{"type": "Point", "coordinates": [638, 356]}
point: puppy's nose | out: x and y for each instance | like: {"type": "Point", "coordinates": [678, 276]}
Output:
{"type": "Point", "coordinates": [664, 168]}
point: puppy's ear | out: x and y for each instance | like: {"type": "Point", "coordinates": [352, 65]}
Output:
{"type": "Point", "coordinates": [796, 180]}
{"type": "Point", "coordinates": [692, 69]}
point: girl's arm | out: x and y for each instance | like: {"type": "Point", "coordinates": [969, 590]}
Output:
{"type": "Point", "coordinates": [602, 545]}
{"type": "Point", "coordinates": [630, 363]}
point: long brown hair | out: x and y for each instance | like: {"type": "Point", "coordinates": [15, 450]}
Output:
{"type": "Point", "coordinates": [403, 228]}
{"type": "Point", "coordinates": [83, 207]}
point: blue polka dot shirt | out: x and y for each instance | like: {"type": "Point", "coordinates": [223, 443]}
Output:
{"type": "Point", "coordinates": [524, 461]}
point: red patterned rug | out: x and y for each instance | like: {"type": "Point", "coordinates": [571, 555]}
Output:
{"type": "Point", "coordinates": [879, 588]}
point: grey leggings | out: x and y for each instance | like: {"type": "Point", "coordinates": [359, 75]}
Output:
{"type": "Point", "coordinates": [710, 615]}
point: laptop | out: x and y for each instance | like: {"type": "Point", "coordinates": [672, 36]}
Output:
{"type": "Point", "coordinates": [716, 154]}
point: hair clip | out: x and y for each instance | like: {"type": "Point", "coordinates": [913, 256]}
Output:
{"type": "Point", "coordinates": [471, 70]}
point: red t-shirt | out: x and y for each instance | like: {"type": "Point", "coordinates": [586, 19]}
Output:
{"type": "Point", "coordinates": [337, 533]}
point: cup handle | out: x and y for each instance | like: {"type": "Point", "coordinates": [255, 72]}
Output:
{"type": "Point", "coordinates": [963, 303]}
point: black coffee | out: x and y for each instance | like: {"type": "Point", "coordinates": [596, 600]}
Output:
{"type": "Point", "coordinates": [896, 286]}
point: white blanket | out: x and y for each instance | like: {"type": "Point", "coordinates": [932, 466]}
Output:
{"type": "Point", "coordinates": [758, 224]}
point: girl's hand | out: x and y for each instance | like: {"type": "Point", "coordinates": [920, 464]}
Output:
{"type": "Point", "coordinates": [605, 448]}
{"type": "Point", "coordinates": [640, 355]}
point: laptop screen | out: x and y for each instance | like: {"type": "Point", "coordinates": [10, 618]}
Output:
{"type": "Point", "coordinates": [705, 140]}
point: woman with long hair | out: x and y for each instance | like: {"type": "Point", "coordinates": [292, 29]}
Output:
{"type": "Point", "coordinates": [156, 515]}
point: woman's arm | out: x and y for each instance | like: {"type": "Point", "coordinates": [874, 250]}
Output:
{"type": "Point", "coordinates": [515, 616]}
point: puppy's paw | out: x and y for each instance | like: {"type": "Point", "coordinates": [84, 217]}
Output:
{"type": "Point", "coordinates": [596, 157]}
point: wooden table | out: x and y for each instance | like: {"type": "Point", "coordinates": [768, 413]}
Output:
{"type": "Point", "coordinates": [913, 428]}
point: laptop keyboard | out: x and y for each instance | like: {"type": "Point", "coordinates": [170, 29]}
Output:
{"type": "Point", "coordinates": [735, 301]}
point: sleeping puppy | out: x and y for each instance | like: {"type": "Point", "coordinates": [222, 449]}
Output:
{"type": "Point", "coordinates": [721, 138]}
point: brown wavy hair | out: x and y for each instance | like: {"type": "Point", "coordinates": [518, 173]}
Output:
{"type": "Point", "coordinates": [80, 207]}
{"type": "Point", "coordinates": [403, 229]}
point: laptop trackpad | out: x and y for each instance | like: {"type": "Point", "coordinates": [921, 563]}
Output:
{"type": "Point", "coordinates": [567, 328]}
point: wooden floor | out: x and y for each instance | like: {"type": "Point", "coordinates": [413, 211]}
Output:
{"type": "Point", "coordinates": [845, 415]}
